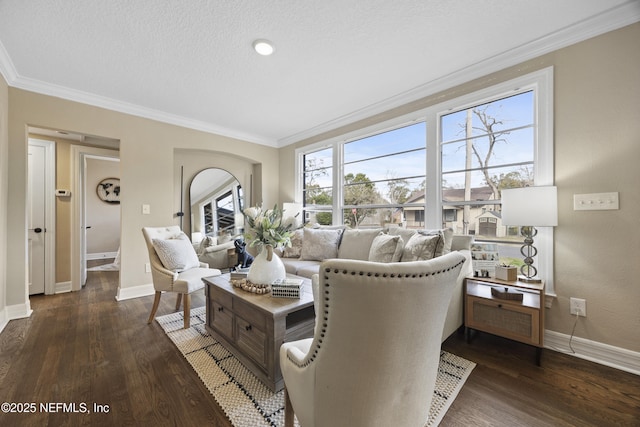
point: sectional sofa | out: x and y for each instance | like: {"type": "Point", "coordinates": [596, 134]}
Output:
{"type": "Point", "coordinates": [312, 245]}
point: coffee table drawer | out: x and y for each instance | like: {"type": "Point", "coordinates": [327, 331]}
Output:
{"type": "Point", "coordinates": [221, 297]}
{"type": "Point", "coordinates": [252, 340]}
{"type": "Point", "coordinates": [221, 318]}
{"type": "Point", "coordinates": [250, 314]}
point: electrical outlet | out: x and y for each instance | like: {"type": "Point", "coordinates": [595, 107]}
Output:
{"type": "Point", "coordinates": [578, 306]}
{"type": "Point", "coordinates": [147, 268]}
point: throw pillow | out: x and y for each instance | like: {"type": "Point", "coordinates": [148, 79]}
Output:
{"type": "Point", "coordinates": [386, 248]}
{"type": "Point", "coordinates": [421, 247]}
{"type": "Point", "coordinates": [356, 243]}
{"type": "Point", "coordinates": [319, 244]}
{"type": "Point", "coordinates": [447, 235]}
{"type": "Point", "coordinates": [207, 241]}
{"type": "Point", "coordinates": [295, 249]}
{"type": "Point", "coordinates": [176, 254]}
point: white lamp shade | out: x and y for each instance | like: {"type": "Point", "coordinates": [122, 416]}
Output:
{"type": "Point", "coordinates": [530, 206]}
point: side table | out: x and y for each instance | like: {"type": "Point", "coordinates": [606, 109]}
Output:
{"type": "Point", "coordinates": [521, 321]}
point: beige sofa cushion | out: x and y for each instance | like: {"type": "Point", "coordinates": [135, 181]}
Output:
{"type": "Point", "coordinates": [355, 243]}
{"type": "Point", "coordinates": [320, 244]}
{"type": "Point", "coordinates": [405, 233]}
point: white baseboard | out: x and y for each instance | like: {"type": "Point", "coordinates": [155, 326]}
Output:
{"type": "Point", "coordinates": [101, 255]}
{"type": "Point", "coordinates": [63, 287]}
{"type": "Point", "coordinates": [19, 311]}
{"type": "Point", "coordinates": [604, 354]}
{"type": "Point", "coordinates": [4, 319]}
{"type": "Point", "coordinates": [135, 292]}
{"type": "Point", "coordinates": [11, 312]}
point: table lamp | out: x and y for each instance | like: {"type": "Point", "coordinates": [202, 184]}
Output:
{"type": "Point", "coordinates": [530, 207]}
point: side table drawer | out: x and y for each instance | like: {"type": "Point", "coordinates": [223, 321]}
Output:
{"type": "Point", "coordinates": [252, 341]}
{"type": "Point", "coordinates": [506, 319]}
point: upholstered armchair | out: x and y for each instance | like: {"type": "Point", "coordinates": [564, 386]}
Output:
{"type": "Point", "coordinates": [374, 356]}
{"type": "Point", "coordinates": [174, 267]}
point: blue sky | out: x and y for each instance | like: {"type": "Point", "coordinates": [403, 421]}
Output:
{"type": "Point", "coordinates": [516, 113]}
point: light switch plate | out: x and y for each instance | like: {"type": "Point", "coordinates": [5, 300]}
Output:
{"type": "Point", "coordinates": [595, 202]}
{"type": "Point", "coordinates": [146, 209]}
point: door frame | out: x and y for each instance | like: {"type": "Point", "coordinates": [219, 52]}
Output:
{"type": "Point", "coordinates": [79, 154]}
{"type": "Point", "coordinates": [50, 213]}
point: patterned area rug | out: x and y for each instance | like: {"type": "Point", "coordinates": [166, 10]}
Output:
{"type": "Point", "coordinates": [248, 403]}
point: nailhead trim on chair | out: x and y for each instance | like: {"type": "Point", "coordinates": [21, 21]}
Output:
{"type": "Point", "coordinates": [326, 305]}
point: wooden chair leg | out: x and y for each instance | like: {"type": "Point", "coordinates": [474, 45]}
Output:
{"type": "Point", "coordinates": [187, 311]}
{"type": "Point", "coordinates": [156, 303]}
{"type": "Point", "coordinates": [179, 300]}
{"type": "Point", "coordinates": [288, 410]}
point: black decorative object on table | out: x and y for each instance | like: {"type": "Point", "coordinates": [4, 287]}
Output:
{"type": "Point", "coordinates": [245, 259]}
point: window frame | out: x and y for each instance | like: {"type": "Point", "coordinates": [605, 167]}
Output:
{"type": "Point", "coordinates": [540, 81]}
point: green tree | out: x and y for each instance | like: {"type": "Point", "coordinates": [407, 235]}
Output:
{"type": "Point", "coordinates": [398, 191]}
{"type": "Point", "coordinates": [314, 194]}
{"type": "Point", "coordinates": [358, 190]}
{"type": "Point", "coordinates": [514, 179]}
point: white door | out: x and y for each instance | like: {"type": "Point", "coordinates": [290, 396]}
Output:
{"type": "Point", "coordinates": [36, 218]}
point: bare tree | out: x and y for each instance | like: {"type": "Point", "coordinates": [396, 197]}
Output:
{"type": "Point", "coordinates": [487, 126]}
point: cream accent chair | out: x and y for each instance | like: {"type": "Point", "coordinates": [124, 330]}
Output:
{"type": "Point", "coordinates": [374, 356]}
{"type": "Point", "coordinates": [164, 280]}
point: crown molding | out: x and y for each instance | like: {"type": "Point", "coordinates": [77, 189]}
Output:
{"type": "Point", "coordinates": [7, 69]}
{"type": "Point", "coordinates": [621, 16]}
{"type": "Point", "coordinates": [14, 80]}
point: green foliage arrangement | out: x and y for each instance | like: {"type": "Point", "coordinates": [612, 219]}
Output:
{"type": "Point", "coordinates": [268, 227]}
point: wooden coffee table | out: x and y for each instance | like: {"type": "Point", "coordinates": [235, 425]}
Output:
{"type": "Point", "coordinates": [253, 327]}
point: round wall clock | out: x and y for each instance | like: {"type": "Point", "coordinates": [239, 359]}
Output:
{"type": "Point", "coordinates": [108, 190]}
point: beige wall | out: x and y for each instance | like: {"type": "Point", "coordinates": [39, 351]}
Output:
{"type": "Point", "coordinates": [597, 149]}
{"type": "Point", "coordinates": [103, 218]}
{"type": "Point", "coordinates": [4, 178]}
{"type": "Point", "coordinates": [147, 172]}
{"type": "Point", "coordinates": [63, 212]}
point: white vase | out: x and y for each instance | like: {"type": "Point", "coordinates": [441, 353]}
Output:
{"type": "Point", "coordinates": [266, 267]}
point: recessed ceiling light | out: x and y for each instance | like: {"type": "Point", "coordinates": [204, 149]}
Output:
{"type": "Point", "coordinates": [263, 47]}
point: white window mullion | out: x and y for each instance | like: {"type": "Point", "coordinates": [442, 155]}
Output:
{"type": "Point", "coordinates": [433, 187]}
{"type": "Point", "coordinates": [338, 183]}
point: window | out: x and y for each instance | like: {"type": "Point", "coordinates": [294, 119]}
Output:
{"type": "Point", "coordinates": [381, 175]}
{"type": "Point", "coordinates": [486, 148]}
{"type": "Point", "coordinates": [444, 166]}
{"type": "Point", "coordinates": [225, 213]}
{"type": "Point", "coordinates": [317, 191]}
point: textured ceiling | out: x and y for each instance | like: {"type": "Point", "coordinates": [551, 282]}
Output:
{"type": "Point", "coordinates": [190, 62]}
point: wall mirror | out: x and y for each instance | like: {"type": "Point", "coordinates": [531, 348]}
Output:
{"type": "Point", "coordinates": [216, 202]}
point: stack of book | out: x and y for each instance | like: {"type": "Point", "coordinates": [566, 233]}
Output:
{"type": "Point", "coordinates": [240, 273]}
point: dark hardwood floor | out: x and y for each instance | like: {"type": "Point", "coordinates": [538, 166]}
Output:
{"type": "Point", "coordinates": [85, 348]}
